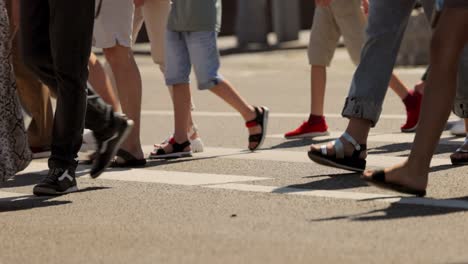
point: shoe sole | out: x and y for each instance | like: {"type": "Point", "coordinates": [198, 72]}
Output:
{"type": "Point", "coordinates": [39, 191]}
{"type": "Point", "coordinates": [264, 129]}
{"type": "Point", "coordinates": [410, 130]}
{"type": "Point", "coordinates": [172, 155]}
{"type": "Point", "coordinates": [124, 136]}
{"type": "Point", "coordinates": [309, 135]}
{"type": "Point", "coordinates": [329, 163]}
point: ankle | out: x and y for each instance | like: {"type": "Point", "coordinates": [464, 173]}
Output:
{"type": "Point", "coordinates": [315, 119]}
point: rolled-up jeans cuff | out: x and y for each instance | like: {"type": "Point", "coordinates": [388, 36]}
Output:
{"type": "Point", "coordinates": [460, 108]}
{"type": "Point", "coordinates": [362, 108]}
{"type": "Point", "coordinates": [210, 84]}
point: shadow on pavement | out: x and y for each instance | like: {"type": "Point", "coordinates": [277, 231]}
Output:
{"type": "Point", "coordinates": [333, 182]}
{"type": "Point", "coordinates": [396, 211]}
{"type": "Point", "coordinates": [298, 143]}
{"type": "Point", "coordinates": [27, 202]}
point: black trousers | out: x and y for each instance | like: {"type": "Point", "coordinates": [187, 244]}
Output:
{"type": "Point", "coordinates": [56, 38]}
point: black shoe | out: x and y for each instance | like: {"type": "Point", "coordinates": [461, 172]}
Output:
{"type": "Point", "coordinates": [59, 181]}
{"type": "Point", "coordinates": [108, 146]}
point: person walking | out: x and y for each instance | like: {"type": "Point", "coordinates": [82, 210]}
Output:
{"type": "Point", "coordinates": [15, 154]}
{"type": "Point", "coordinates": [345, 18]}
{"type": "Point", "coordinates": [56, 45]}
{"type": "Point", "coordinates": [387, 22]}
{"type": "Point", "coordinates": [448, 42]}
{"type": "Point", "coordinates": [113, 34]}
{"type": "Point", "coordinates": [191, 40]}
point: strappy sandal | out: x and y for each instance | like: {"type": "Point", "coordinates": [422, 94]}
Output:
{"type": "Point", "coordinates": [460, 150]}
{"type": "Point", "coordinates": [129, 161]}
{"type": "Point", "coordinates": [177, 151]}
{"type": "Point", "coordinates": [378, 179]}
{"type": "Point", "coordinates": [261, 120]}
{"type": "Point", "coordinates": [352, 163]}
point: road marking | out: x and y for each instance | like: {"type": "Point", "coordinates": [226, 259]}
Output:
{"type": "Point", "coordinates": [175, 177]}
{"type": "Point", "coordinates": [356, 196]}
{"type": "Point", "coordinates": [293, 156]}
{"type": "Point", "coordinates": [155, 176]}
{"type": "Point", "coordinates": [398, 138]}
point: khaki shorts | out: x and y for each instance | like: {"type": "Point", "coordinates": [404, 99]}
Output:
{"type": "Point", "coordinates": [114, 24]}
{"type": "Point", "coordinates": [154, 13]}
{"type": "Point", "coordinates": [342, 18]}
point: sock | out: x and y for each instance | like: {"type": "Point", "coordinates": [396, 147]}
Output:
{"type": "Point", "coordinates": [315, 119]}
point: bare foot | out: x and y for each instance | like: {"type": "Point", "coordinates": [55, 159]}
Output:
{"type": "Point", "coordinates": [403, 175]}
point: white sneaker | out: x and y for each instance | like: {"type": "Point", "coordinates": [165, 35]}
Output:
{"type": "Point", "coordinates": [458, 129]}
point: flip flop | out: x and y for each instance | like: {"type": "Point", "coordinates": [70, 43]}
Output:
{"type": "Point", "coordinates": [351, 163]}
{"type": "Point", "coordinates": [461, 161]}
{"type": "Point", "coordinates": [261, 119]}
{"type": "Point", "coordinates": [378, 179]}
{"type": "Point", "coordinates": [129, 161]}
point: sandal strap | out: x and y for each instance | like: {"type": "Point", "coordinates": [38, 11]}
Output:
{"type": "Point", "coordinates": [461, 149]}
{"type": "Point", "coordinates": [257, 121]}
{"type": "Point", "coordinates": [339, 149]}
{"type": "Point", "coordinates": [176, 147]}
{"type": "Point", "coordinates": [351, 140]}
{"type": "Point", "coordinates": [255, 138]}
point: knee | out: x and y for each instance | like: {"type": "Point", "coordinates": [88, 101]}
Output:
{"type": "Point", "coordinates": [118, 55]}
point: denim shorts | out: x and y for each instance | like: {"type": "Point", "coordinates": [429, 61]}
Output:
{"type": "Point", "coordinates": [184, 49]}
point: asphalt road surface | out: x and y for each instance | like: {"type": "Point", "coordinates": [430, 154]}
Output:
{"type": "Point", "coordinates": [227, 205]}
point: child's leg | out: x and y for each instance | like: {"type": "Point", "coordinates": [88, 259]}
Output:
{"type": "Point", "coordinates": [177, 74]}
{"type": "Point", "coordinates": [324, 36]}
{"type": "Point", "coordinates": [101, 83]}
{"type": "Point", "coordinates": [204, 55]}
{"type": "Point", "coordinates": [317, 83]}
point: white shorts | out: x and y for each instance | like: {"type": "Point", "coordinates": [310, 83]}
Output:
{"type": "Point", "coordinates": [114, 25]}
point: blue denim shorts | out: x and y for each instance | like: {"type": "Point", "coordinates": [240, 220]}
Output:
{"type": "Point", "coordinates": [184, 49]}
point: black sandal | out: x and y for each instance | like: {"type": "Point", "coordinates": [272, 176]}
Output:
{"type": "Point", "coordinates": [352, 163]}
{"type": "Point", "coordinates": [261, 120]}
{"type": "Point", "coordinates": [378, 179]}
{"type": "Point", "coordinates": [129, 161]}
{"type": "Point", "coordinates": [460, 150]}
{"type": "Point", "coordinates": [177, 151]}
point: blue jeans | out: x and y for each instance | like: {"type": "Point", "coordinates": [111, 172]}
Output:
{"type": "Point", "coordinates": [387, 23]}
{"type": "Point", "coordinates": [184, 49]}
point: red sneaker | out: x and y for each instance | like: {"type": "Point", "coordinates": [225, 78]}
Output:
{"type": "Point", "coordinates": [307, 130]}
{"type": "Point", "coordinates": [413, 107]}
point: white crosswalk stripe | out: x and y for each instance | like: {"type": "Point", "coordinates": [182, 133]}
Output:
{"type": "Point", "coordinates": [248, 183]}
{"type": "Point", "coordinates": [394, 138]}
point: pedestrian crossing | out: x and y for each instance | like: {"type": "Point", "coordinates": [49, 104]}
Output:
{"type": "Point", "coordinates": [253, 183]}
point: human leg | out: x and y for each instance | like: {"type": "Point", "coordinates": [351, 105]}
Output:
{"type": "Point", "coordinates": [324, 36]}
{"type": "Point", "coordinates": [101, 82]}
{"type": "Point", "coordinates": [449, 38]}
{"type": "Point", "coordinates": [386, 25]}
{"type": "Point", "coordinates": [204, 55]}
